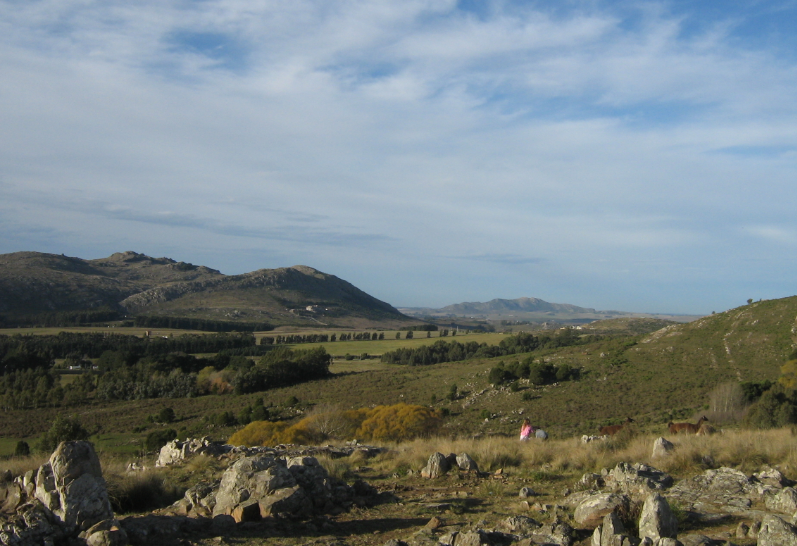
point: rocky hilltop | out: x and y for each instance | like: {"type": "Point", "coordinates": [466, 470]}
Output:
{"type": "Point", "coordinates": [34, 284]}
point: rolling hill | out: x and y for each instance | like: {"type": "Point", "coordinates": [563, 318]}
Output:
{"type": "Point", "coordinates": [530, 309]}
{"type": "Point", "coordinates": [33, 285]}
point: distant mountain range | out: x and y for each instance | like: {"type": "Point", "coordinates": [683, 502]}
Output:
{"type": "Point", "coordinates": [529, 309]}
{"type": "Point", "coordinates": [34, 285]}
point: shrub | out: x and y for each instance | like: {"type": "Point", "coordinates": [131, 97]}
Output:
{"type": "Point", "coordinates": [777, 407]}
{"type": "Point", "coordinates": [63, 429]}
{"type": "Point", "coordinates": [166, 415]}
{"type": "Point", "coordinates": [139, 492]}
{"type": "Point", "coordinates": [159, 438]}
{"type": "Point", "coordinates": [22, 449]}
{"type": "Point", "coordinates": [259, 433]}
{"type": "Point", "coordinates": [399, 422]}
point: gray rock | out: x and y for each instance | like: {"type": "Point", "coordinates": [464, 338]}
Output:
{"type": "Point", "coordinates": [612, 531]}
{"type": "Point", "coordinates": [473, 538]}
{"type": "Point", "coordinates": [106, 533]}
{"type": "Point", "coordinates": [590, 480]}
{"type": "Point", "coordinates": [45, 488]}
{"type": "Point", "coordinates": [772, 477]}
{"type": "Point", "coordinates": [666, 541]}
{"type": "Point", "coordinates": [465, 462]}
{"type": "Point", "coordinates": [557, 532]}
{"type": "Point", "coordinates": [742, 529]}
{"type": "Point", "coordinates": [776, 532]}
{"type": "Point", "coordinates": [662, 447]}
{"type": "Point", "coordinates": [637, 478]}
{"type": "Point", "coordinates": [723, 489]}
{"type": "Point", "coordinates": [520, 525]}
{"type": "Point", "coordinates": [82, 494]}
{"type": "Point", "coordinates": [251, 477]}
{"type": "Point", "coordinates": [526, 492]}
{"type": "Point", "coordinates": [591, 511]}
{"type": "Point", "coordinates": [657, 520]}
{"type": "Point", "coordinates": [784, 501]}
{"type": "Point", "coordinates": [436, 466]}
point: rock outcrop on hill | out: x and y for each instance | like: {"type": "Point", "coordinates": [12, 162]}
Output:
{"type": "Point", "coordinates": [66, 499]}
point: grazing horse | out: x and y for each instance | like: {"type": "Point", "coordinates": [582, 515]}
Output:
{"type": "Point", "coordinates": [611, 430]}
{"type": "Point", "coordinates": [686, 428]}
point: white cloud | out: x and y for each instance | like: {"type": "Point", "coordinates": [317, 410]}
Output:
{"type": "Point", "coordinates": [413, 130]}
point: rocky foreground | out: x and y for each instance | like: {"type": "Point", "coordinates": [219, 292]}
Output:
{"type": "Point", "coordinates": [283, 495]}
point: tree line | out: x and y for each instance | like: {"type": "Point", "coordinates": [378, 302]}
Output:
{"type": "Point", "coordinates": [32, 351]}
{"type": "Point", "coordinates": [124, 376]}
{"type": "Point", "coordinates": [454, 351]}
{"type": "Point", "coordinates": [295, 339]}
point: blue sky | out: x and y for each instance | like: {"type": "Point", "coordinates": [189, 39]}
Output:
{"type": "Point", "coordinates": [637, 156]}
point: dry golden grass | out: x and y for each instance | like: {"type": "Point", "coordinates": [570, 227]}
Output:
{"type": "Point", "coordinates": [745, 450]}
{"type": "Point", "coordinates": [20, 465]}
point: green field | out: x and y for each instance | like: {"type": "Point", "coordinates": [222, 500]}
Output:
{"type": "Point", "coordinates": [390, 343]}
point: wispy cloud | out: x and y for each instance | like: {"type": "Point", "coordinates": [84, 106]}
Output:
{"type": "Point", "coordinates": [620, 142]}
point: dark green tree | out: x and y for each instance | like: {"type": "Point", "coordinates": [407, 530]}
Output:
{"type": "Point", "coordinates": [63, 429]}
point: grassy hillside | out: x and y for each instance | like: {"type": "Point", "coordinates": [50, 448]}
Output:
{"type": "Point", "coordinates": [654, 377]}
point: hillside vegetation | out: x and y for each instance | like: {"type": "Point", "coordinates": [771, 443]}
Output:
{"type": "Point", "coordinates": [38, 288]}
{"type": "Point", "coordinates": [669, 374]}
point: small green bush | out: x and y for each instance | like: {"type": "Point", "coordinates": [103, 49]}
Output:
{"type": "Point", "coordinates": [159, 438]}
{"type": "Point", "coordinates": [63, 429]}
{"type": "Point", "coordinates": [22, 449]}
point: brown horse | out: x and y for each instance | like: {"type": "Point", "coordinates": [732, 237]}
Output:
{"type": "Point", "coordinates": [611, 430]}
{"type": "Point", "coordinates": [686, 428]}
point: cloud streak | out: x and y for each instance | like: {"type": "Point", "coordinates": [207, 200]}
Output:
{"type": "Point", "coordinates": [377, 140]}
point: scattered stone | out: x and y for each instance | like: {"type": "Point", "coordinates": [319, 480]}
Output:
{"type": "Point", "coordinates": [434, 523]}
{"type": "Point", "coordinates": [637, 478]}
{"type": "Point", "coordinates": [105, 533]}
{"type": "Point", "coordinates": [657, 520]}
{"type": "Point", "coordinates": [662, 447]}
{"type": "Point", "coordinates": [742, 529]}
{"type": "Point", "coordinates": [784, 501]}
{"type": "Point", "coordinates": [520, 525]}
{"type": "Point", "coordinates": [465, 462]}
{"type": "Point", "coordinates": [591, 511]}
{"type": "Point", "coordinates": [436, 466]}
{"type": "Point", "coordinates": [526, 492]}
{"type": "Point", "coordinates": [776, 532]}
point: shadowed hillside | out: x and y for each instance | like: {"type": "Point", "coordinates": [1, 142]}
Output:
{"type": "Point", "coordinates": [34, 284]}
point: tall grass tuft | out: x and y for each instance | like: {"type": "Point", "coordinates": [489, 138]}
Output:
{"type": "Point", "coordinates": [20, 465]}
{"type": "Point", "coordinates": [132, 492]}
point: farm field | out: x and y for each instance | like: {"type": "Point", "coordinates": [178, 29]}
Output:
{"type": "Point", "coordinates": [390, 343]}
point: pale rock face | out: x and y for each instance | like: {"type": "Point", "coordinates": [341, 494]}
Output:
{"type": "Point", "coordinates": [662, 447]}
{"type": "Point", "coordinates": [784, 501]}
{"type": "Point", "coordinates": [436, 466]}
{"type": "Point", "coordinates": [657, 520]}
{"type": "Point", "coordinates": [465, 462]}
{"type": "Point", "coordinates": [776, 532]}
{"type": "Point", "coordinates": [591, 511]}
{"type": "Point", "coordinates": [73, 486]}
{"type": "Point", "coordinates": [251, 478]}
